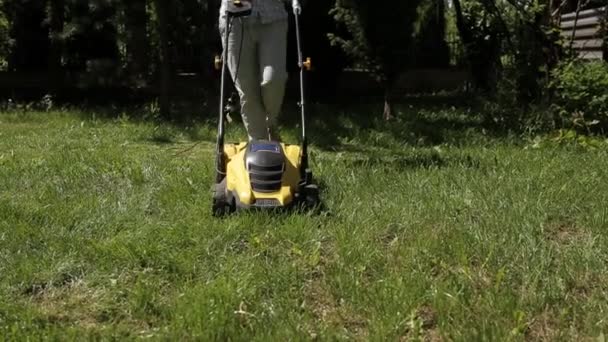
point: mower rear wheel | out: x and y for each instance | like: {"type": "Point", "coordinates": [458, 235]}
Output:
{"type": "Point", "coordinates": [311, 196]}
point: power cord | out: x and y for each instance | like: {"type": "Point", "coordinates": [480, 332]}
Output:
{"type": "Point", "coordinates": [231, 107]}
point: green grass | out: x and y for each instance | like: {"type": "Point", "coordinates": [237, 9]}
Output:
{"type": "Point", "coordinates": [435, 228]}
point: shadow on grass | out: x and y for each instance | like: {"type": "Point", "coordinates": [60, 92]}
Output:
{"type": "Point", "coordinates": [190, 120]}
{"type": "Point", "coordinates": [416, 123]}
{"type": "Point", "coordinates": [343, 126]}
{"type": "Point", "coordinates": [416, 161]}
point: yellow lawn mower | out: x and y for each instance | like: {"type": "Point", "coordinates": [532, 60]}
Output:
{"type": "Point", "coordinates": [261, 174]}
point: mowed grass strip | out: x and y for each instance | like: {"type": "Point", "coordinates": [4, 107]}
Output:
{"type": "Point", "coordinates": [434, 231]}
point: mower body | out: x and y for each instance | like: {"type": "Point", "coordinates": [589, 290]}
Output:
{"type": "Point", "coordinates": [264, 174]}
{"type": "Point", "coordinates": [261, 174]}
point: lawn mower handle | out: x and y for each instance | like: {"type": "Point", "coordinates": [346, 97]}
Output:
{"type": "Point", "coordinates": [297, 11]}
{"type": "Point", "coordinates": [220, 165]}
{"type": "Point", "coordinates": [297, 8]}
{"type": "Point", "coordinates": [220, 162]}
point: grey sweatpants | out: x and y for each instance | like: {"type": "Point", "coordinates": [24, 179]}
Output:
{"type": "Point", "coordinates": [257, 62]}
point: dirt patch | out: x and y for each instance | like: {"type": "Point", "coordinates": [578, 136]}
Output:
{"type": "Point", "coordinates": [61, 280]}
{"type": "Point", "coordinates": [239, 245]}
{"type": "Point", "coordinates": [428, 316]}
{"type": "Point", "coordinates": [332, 312]}
{"type": "Point", "coordinates": [542, 328]}
{"type": "Point", "coordinates": [392, 235]}
{"type": "Point", "coordinates": [72, 303]}
{"type": "Point", "coordinates": [433, 335]}
{"type": "Point", "coordinates": [75, 303]}
{"type": "Point", "coordinates": [423, 326]}
{"type": "Point", "coordinates": [564, 232]}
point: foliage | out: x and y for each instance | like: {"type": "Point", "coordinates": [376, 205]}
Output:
{"type": "Point", "coordinates": [569, 137]}
{"type": "Point", "coordinates": [29, 39]}
{"type": "Point", "coordinates": [431, 49]}
{"type": "Point", "coordinates": [4, 40]}
{"type": "Point", "coordinates": [87, 23]}
{"type": "Point", "coordinates": [581, 96]}
{"type": "Point", "coordinates": [511, 46]}
{"type": "Point", "coordinates": [482, 36]}
{"type": "Point", "coordinates": [537, 49]}
{"type": "Point", "coordinates": [388, 41]}
{"type": "Point", "coordinates": [379, 37]}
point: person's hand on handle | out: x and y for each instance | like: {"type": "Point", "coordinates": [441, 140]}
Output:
{"type": "Point", "coordinates": [297, 8]}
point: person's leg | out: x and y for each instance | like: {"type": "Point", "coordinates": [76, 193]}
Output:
{"type": "Point", "coordinates": [244, 68]}
{"type": "Point", "coordinates": [273, 63]}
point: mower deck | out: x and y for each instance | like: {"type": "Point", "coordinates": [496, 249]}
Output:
{"type": "Point", "coordinates": [263, 175]}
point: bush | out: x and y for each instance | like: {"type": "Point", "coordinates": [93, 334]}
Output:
{"type": "Point", "coordinates": [581, 95]}
{"type": "Point", "coordinates": [4, 41]}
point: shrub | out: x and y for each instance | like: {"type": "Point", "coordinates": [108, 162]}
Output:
{"type": "Point", "coordinates": [581, 95]}
{"type": "Point", "coordinates": [4, 41]}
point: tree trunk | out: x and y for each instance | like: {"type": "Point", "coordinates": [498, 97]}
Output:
{"type": "Point", "coordinates": [550, 39]}
{"type": "Point", "coordinates": [56, 21]}
{"type": "Point", "coordinates": [31, 47]}
{"type": "Point", "coordinates": [165, 66]}
{"type": "Point", "coordinates": [432, 50]}
{"type": "Point", "coordinates": [606, 35]}
{"type": "Point", "coordinates": [466, 38]}
{"type": "Point", "coordinates": [483, 55]}
{"type": "Point", "coordinates": [388, 102]}
{"type": "Point", "coordinates": [465, 34]}
{"type": "Point", "coordinates": [92, 45]}
{"type": "Point", "coordinates": [136, 20]}
{"type": "Point", "coordinates": [578, 11]}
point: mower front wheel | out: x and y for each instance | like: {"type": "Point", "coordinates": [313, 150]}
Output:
{"type": "Point", "coordinates": [221, 208]}
{"type": "Point", "coordinates": [221, 204]}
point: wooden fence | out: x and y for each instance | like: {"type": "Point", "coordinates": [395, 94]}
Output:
{"type": "Point", "coordinates": [586, 32]}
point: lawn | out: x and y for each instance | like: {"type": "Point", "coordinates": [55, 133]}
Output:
{"type": "Point", "coordinates": [434, 228]}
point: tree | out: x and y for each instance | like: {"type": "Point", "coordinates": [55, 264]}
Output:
{"type": "Point", "coordinates": [328, 61]}
{"type": "Point", "coordinates": [482, 38]}
{"type": "Point", "coordinates": [29, 34]}
{"type": "Point", "coordinates": [523, 35]}
{"type": "Point", "coordinates": [162, 8]}
{"type": "Point", "coordinates": [137, 43]}
{"type": "Point", "coordinates": [4, 39]}
{"type": "Point", "coordinates": [606, 35]}
{"type": "Point", "coordinates": [380, 38]}
{"type": "Point", "coordinates": [537, 49]}
{"type": "Point", "coordinates": [210, 30]}
{"type": "Point", "coordinates": [56, 13]}
{"type": "Point", "coordinates": [91, 37]}
{"type": "Point", "coordinates": [431, 47]}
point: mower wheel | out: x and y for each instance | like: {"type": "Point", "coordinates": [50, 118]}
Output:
{"type": "Point", "coordinates": [221, 208]}
{"type": "Point", "coordinates": [311, 196]}
{"type": "Point", "coordinates": [221, 204]}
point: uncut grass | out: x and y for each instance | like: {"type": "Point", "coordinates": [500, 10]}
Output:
{"type": "Point", "coordinates": [106, 232]}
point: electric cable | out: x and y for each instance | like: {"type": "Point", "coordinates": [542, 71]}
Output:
{"type": "Point", "coordinates": [231, 103]}
{"type": "Point", "coordinates": [229, 28]}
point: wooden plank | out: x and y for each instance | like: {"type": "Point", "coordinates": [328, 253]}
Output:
{"type": "Point", "coordinates": [585, 14]}
{"type": "Point", "coordinates": [587, 39]}
{"type": "Point", "coordinates": [585, 22]}
{"type": "Point", "coordinates": [583, 33]}
{"type": "Point", "coordinates": [588, 44]}
{"type": "Point", "coordinates": [591, 55]}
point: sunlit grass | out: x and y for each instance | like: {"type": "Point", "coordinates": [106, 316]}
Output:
{"type": "Point", "coordinates": [434, 228]}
